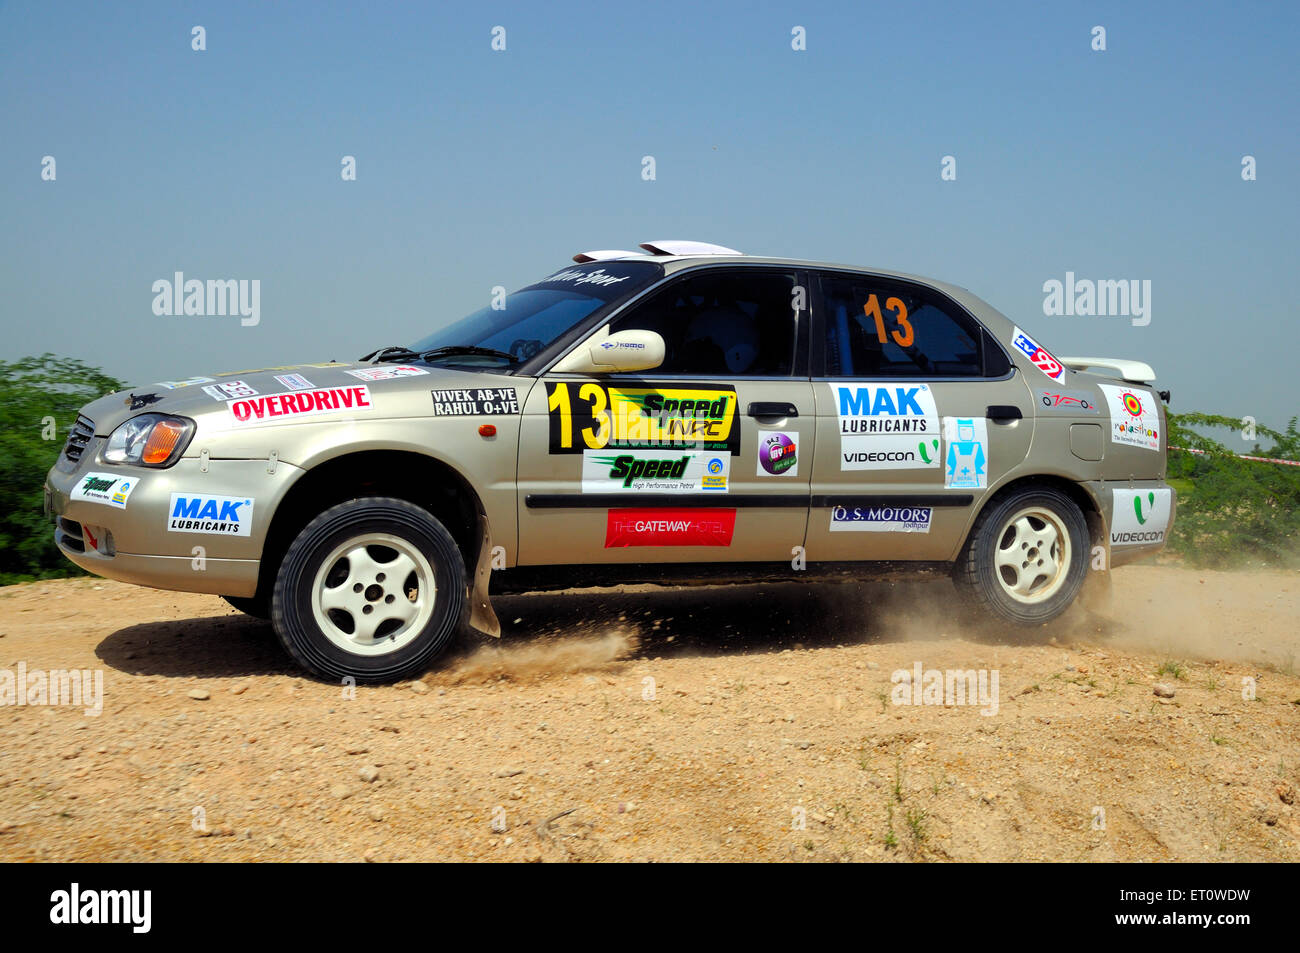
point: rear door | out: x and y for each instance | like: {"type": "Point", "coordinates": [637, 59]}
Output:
{"type": "Point", "coordinates": [704, 459]}
{"type": "Point", "coordinates": [919, 413]}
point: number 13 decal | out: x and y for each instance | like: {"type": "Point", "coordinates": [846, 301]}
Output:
{"type": "Point", "coordinates": [902, 333]}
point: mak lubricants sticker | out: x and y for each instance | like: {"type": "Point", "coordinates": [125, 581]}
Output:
{"type": "Point", "coordinates": [217, 515]}
{"type": "Point", "coordinates": [1140, 517]}
{"type": "Point", "coordinates": [109, 488]}
{"type": "Point", "coordinates": [887, 426]}
{"type": "Point", "coordinates": [1134, 416]}
{"type": "Point", "coordinates": [966, 464]}
{"type": "Point", "coordinates": [777, 453]}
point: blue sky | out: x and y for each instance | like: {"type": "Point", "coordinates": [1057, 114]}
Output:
{"type": "Point", "coordinates": [478, 168]}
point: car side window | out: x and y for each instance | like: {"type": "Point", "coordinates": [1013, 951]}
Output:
{"type": "Point", "coordinates": [882, 329]}
{"type": "Point", "coordinates": [722, 324]}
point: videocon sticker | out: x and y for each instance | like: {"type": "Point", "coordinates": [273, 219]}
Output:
{"type": "Point", "coordinates": [886, 426]}
{"type": "Point", "coordinates": [1134, 416]}
{"type": "Point", "coordinates": [777, 453]}
{"type": "Point", "coordinates": [966, 456]}
{"type": "Point", "coordinates": [112, 489]}
{"type": "Point", "coordinates": [655, 471]}
{"type": "Point", "coordinates": [1140, 517]}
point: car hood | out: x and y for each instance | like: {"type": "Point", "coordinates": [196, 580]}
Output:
{"type": "Point", "coordinates": [275, 396]}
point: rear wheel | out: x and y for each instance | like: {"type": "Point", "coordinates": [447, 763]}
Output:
{"type": "Point", "coordinates": [373, 589]}
{"type": "Point", "coordinates": [1026, 557]}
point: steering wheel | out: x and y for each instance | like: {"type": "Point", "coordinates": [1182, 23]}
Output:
{"type": "Point", "coordinates": [525, 349]}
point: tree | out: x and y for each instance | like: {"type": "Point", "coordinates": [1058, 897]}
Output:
{"type": "Point", "coordinates": [39, 401]}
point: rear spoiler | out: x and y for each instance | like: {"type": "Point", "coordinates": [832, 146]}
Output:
{"type": "Point", "coordinates": [1133, 371]}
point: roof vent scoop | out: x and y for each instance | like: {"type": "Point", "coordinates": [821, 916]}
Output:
{"type": "Point", "coordinates": [687, 248]}
{"type": "Point", "coordinates": [605, 254]}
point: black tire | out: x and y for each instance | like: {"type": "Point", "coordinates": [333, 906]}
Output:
{"type": "Point", "coordinates": [1004, 556]}
{"type": "Point", "coordinates": [250, 605]}
{"type": "Point", "coordinates": [366, 532]}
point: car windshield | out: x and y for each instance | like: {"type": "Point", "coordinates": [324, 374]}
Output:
{"type": "Point", "coordinates": [526, 322]}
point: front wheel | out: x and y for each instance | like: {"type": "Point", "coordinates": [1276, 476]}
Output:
{"type": "Point", "coordinates": [372, 588]}
{"type": "Point", "coordinates": [1026, 557]}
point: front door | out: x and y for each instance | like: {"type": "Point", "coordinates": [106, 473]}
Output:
{"type": "Point", "coordinates": [706, 458]}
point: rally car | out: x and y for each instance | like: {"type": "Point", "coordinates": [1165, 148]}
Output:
{"type": "Point", "coordinates": [683, 413]}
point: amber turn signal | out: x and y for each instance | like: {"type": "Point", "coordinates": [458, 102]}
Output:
{"type": "Point", "coordinates": [487, 430]}
{"type": "Point", "coordinates": [162, 441]}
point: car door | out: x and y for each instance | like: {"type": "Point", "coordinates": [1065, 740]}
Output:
{"type": "Point", "coordinates": [703, 459]}
{"type": "Point", "coordinates": [919, 413]}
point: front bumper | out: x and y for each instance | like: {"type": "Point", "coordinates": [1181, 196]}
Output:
{"type": "Point", "coordinates": [137, 541]}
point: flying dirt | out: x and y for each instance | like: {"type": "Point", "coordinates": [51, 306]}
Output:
{"type": "Point", "coordinates": [745, 723]}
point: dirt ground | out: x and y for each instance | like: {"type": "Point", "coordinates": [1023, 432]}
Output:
{"type": "Point", "coordinates": [750, 723]}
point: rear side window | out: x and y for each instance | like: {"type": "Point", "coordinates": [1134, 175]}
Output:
{"type": "Point", "coordinates": [882, 329]}
{"type": "Point", "coordinates": [722, 324]}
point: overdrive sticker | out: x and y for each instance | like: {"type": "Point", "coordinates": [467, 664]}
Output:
{"type": "Point", "coordinates": [303, 403]}
{"type": "Point", "coordinates": [1140, 517]}
{"type": "Point", "coordinates": [881, 519]}
{"type": "Point", "coordinates": [669, 527]}
{"type": "Point", "coordinates": [595, 416]}
{"type": "Point", "coordinates": [1038, 355]}
{"type": "Point", "coordinates": [655, 472]}
{"type": "Point", "coordinates": [1134, 416]}
{"type": "Point", "coordinates": [887, 426]}
{"type": "Point", "coordinates": [109, 488]}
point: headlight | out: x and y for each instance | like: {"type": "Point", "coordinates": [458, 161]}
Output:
{"type": "Point", "coordinates": [149, 440]}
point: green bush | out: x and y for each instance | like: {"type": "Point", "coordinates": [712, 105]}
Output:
{"type": "Point", "coordinates": [1234, 512]}
{"type": "Point", "coordinates": [39, 400]}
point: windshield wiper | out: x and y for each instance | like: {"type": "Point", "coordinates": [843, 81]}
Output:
{"type": "Point", "coordinates": [394, 352]}
{"type": "Point", "coordinates": [471, 349]}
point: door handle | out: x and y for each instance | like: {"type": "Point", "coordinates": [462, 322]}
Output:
{"type": "Point", "coordinates": [1001, 413]}
{"type": "Point", "coordinates": [771, 408]}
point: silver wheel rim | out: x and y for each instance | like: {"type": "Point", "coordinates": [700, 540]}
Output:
{"type": "Point", "coordinates": [373, 594]}
{"type": "Point", "coordinates": [1032, 558]}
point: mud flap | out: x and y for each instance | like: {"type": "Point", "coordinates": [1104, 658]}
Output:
{"type": "Point", "coordinates": [482, 618]}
